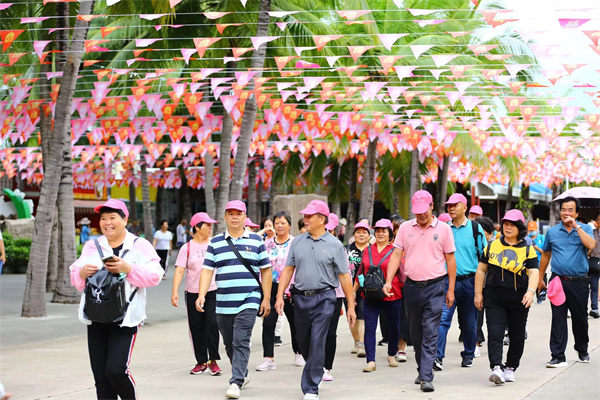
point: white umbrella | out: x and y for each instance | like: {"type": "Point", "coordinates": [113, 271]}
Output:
{"type": "Point", "coordinates": [581, 192]}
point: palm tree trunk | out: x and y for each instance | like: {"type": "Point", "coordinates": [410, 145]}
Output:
{"type": "Point", "coordinates": [184, 196]}
{"type": "Point", "coordinates": [224, 171]}
{"type": "Point", "coordinates": [415, 177]}
{"type": "Point", "coordinates": [259, 202]}
{"type": "Point", "coordinates": [367, 195]}
{"type": "Point", "coordinates": [132, 202]}
{"type": "Point", "coordinates": [352, 201]}
{"type": "Point", "coordinates": [52, 274]}
{"type": "Point", "coordinates": [395, 203]}
{"type": "Point", "coordinates": [147, 206]}
{"type": "Point", "coordinates": [336, 208]}
{"type": "Point", "coordinates": [209, 193]}
{"type": "Point", "coordinates": [252, 191]}
{"type": "Point", "coordinates": [34, 303]}
{"type": "Point", "coordinates": [442, 185]}
{"type": "Point", "coordinates": [258, 61]}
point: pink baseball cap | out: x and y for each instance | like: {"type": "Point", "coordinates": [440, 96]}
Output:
{"type": "Point", "coordinates": [236, 205]}
{"type": "Point", "coordinates": [514, 216]}
{"type": "Point", "coordinates": [316, 207]}
{"type": "Point", "coordinates": [476, 210]}
{"type": "Point", "coordinates": [333, 222]}
{"type": "Point", "coordinates": [457, 198]}
{"type": "Point", "coordinates": [421, 201]}
{"type": "Point", "coordinates": [115, 205]}
{"type": "Point", "coordinates": [202, 217]}
{"type": "Point", "coordinates": [251, 224]}
{"type": "Point", "coordinates": [361, 225]}
{"type": "Point", "coordinates": [445, 217]}
{"type": "Point", "coordinates": [556, 294]}
{"type": "Point", "coordinates": [384, 223]}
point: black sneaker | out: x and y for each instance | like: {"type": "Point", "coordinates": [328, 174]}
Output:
{"type": "Point", "coordinates": [438, 364]}
{"type": "Point", "coordinates": [556, 363]}
{"type": "Point", "coordinates": [382, 343]}
{"type": "Point", "coordinates": [427, 386]}
{"type": "Point", "coordinates": [466, 362]}
{"type": "Point", "coordinates": [278, 341]}
{"type": "Point", "coordinates": [585, 358]}
{"type": "Point", "coordinates": [595, 313]}
{"type": "Point", "coordinates": [417, 381]}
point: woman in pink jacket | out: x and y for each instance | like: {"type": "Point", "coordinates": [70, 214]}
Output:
{"type": "Point", "coordinates": [110, 344]}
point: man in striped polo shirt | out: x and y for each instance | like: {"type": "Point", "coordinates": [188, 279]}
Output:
{"type": "Point", "coordinates": [238, 289]}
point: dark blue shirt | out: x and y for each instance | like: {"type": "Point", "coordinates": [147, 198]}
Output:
{"type": "Point", "coordinates": [569, 255]}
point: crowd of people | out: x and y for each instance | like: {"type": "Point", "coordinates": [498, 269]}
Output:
{"type": "Point", "coordinates": [407, 277]}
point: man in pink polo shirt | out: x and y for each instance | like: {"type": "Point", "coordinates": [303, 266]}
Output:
{"type": "Point", "coordinates": [428, 246]}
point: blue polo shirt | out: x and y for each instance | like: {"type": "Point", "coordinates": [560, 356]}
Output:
{"type": "Point", "coordinates": [569, 255]}
{"type": "Point", "coordinates": [466, 248]}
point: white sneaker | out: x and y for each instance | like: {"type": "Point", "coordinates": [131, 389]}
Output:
{"type": "Point", "coordinates": [266, 365]}
{"type": "Point", "coordinates": [401, 357]}
{"type": "Point", "coordinates": [311, 396]}
{"type": "Point", "coordinates": [327, 377]}
{"type": "Point", "coordinates": [509, 375]}
{"type": "Point", "coordinates": [246, 382]}
{"type": "Point", "coordinates": [497, 375]}
{"type": "Point", "coordinates": [477, 352]}
{"type": "Point", "coordinates": [233, 392]}
{"type": "Point", "coordinates": [299, 361]}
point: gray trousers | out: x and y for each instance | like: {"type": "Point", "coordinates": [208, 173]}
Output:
{"type": "Point", "coordinates": [313, 315]}
{"type": "Point", "coordinates": [236, 330]}
{"type": "Point", "coordinates": [423, 307]}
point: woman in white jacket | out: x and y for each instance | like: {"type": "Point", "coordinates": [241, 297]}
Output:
{"type": "Point", "coordinates": [110, 344]}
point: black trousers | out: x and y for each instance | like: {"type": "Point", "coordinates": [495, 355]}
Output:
{"type": "Point", "coordinates": [503, 308]}
{"type": "Point", "coordinates": [594, 277]}
{"type": "Point", "coordinates": [288, 310]}
{"type": "Point", "coordinates": [576, 293]}
{"type": "Point", "coordinates": [480, 335]}
{"type": "Point", "coordinates": [204, 331]}
{"type": "Point", "coordinates": [163, 254]}
{"type": "Point", "coordinates": [110, 349]}
{"type": "Point", "coordinates": [331, 343]}
{"type": "Point", "coordinates": [270, 323]}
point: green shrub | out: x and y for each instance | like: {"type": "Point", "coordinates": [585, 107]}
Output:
{"type": "Point", "coordinates": [17, 254]}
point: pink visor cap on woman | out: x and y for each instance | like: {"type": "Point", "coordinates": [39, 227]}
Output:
{"type": "Point", "coordinates": [476, 210]}
{"type": "Point", "coordinates": [202, 217]}
{"type": "Point", "coordinates": [251, 224]}
{"type": "Point", "coordinates": [115, 205]}
{"type": "Point", "coordinates": [514, 216]}
{"type": "Point", "coordinates": [333, 222]}
{"type": "Point", "coordinates": [556, 294]}
{"type": "Point", "coordinates": [384, 223]}
{"type": "Point", "coordinates": [316, 207]}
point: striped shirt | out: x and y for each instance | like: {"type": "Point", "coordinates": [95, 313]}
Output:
{"type": "Point", "coordinates": [237, 290]}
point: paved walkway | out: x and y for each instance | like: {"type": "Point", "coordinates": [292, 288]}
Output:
{"type": "Point", "coordinates": [47, 358]}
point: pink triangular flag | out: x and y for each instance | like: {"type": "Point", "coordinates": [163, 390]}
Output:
{"type": "Point", "coordinates": [388, 39]}
{"type": "Point", "coordinates": [187, 53]}
{"type": "Point", "coordinates": [419, 49]}
{"type": "Point", "coordinates": [39, 46]}
{"type": "Point", "coordinates": [443, 59]}
{"type": "Point", "coordinates": [260, 40]}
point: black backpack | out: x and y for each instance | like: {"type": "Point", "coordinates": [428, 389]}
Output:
{"type": "Point", "coordinates": [374, 278]}
{"type": "Point", "coordinates": [476, 235]}
{"type": "Point", "coordinates": [105, 299]}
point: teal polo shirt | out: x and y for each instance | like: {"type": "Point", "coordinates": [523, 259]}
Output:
{"type": "Point", "coordinates": [466, 248]}
{"type": "Point", "coordinates": [569, 255]}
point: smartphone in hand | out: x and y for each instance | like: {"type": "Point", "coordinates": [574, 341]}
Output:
{"type": "Point", "coordinates": [109, 259]}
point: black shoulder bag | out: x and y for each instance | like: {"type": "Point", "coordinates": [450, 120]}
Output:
{"type": "Point", "coordinates": [105, 299]}
{"type": "Point", "coordinates": [249, 268]}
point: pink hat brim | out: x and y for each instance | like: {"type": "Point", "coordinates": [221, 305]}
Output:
{"type": "Point", "coordinates": [309, 211]}
{"type": "Point", "coordinates": [420, 208]}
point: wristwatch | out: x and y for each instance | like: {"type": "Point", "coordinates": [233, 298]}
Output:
{"type": "Point", "coordinates": [577, 227]}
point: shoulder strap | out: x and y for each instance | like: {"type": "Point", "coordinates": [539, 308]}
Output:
{"type": "Point", "coordinates": [370, 256]}
{"type": "Point", "coordinates": [476, 235]}
{"type": "Point", "coordinates": [243, 261]}
{"type": "Point", "coordinates": [127, 250]}
{"type": "Point", "coordinates": [385, 256]}
{"type": "Point", "coordinates": [99, 248]}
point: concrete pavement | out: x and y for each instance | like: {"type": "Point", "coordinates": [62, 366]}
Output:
{"type": "Point", "coordinates": [47, 358]}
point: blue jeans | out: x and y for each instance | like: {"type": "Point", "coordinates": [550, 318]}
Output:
{"type": "Point", "coordinates": [464, 296]}
{"type": "Point", "coordinates": [371, 312]}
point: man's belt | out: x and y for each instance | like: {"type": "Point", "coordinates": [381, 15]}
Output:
{"type": "Point", "coordinates": [427, 283]}
{"type": "Point", "coordinates": [463, 277]}
{"type": "Point", "coordinates": [574, 278]}
{"type": "Point", "coordinates": [308, 293]}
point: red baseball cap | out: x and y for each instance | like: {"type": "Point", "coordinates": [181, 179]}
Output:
{"type": "Point", "coordinates": [457, 198]}
{"type": "Point", "coordinates": [115, 205]}
{"type": "Point", "coordinates": [236, 205]}
{"type": "Point", "coordinates": [316, 207]}
{"type": "Point", "coordinates": [251, 224]}
{"type": "Point", "coordinates": [202, 217]}
{"type": "Point", "coordinates": [333, 222]}
{"type": "Point", "coordinates": [514, 215]}
{"type": "Point", "coordinates": [421, 201]}
{"type": "Point", "coordinates": [362, 225]}
{"type": "Point", "coordinates": [476, 210]}
{"type": "Point", "coordinates": [384, 223]}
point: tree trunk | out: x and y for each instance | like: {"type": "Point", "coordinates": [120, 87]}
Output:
{"type": "Point", "coordinates": [352, 200]}
{"type": "Point", "coordinates": [368, 183]}
{"type": "Point", "coordinates": [415, 177]}
{"type": "Point", "coordinates": [336, 208]}
{"type": "Point", "coordinates": [442, 186]}
{"type": "Point", "coordinates": [34, 303]}
{"type": "Point", "coordinates": [272, 194]}
{"type": "Point", "coordinates": [258, 61]}
{"type": "Point", "coordinates": [132, 202]}
{"type": "Point", "coordinates": [147, 206]}
{"type": "Point", "coordinates": [184, 196]}
{"type": "Point", "coordinates": [224, 171]}
{"type": "Point", "coordinates": [52, 274]}
{"type": "Point", "coordinates": [252, 191]}
{"type": "Point", "coordinates": [395, 203]}
{"type": "Point", "coordinates": [259, 202]}
{"type": "Point", "coordinates": [209, 193]}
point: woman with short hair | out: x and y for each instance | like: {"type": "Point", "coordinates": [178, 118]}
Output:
{"type": "Point", "coordinates": [163, 243]}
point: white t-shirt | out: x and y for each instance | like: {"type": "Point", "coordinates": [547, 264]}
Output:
{"type": "Point", "coordinates": [163, 240]}
{"type": "Point", "coordinates": [181, 234]}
